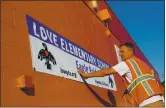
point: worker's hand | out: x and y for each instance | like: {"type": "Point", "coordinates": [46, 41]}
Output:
{"type": "Point", "coordinates": [83, 74]}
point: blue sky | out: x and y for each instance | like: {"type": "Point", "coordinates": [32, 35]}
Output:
{"type": "Point", "coordinates": [144, 20]}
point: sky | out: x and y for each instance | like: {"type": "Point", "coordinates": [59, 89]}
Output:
{"type": "Point", "coordinates": [144, 21]}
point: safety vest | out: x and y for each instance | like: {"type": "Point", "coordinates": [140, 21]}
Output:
{"type": "Point", "coordinates": [143, 85]}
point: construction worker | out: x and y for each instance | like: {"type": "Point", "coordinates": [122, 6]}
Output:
{"type": "Point", "coordinates": [141, 83]}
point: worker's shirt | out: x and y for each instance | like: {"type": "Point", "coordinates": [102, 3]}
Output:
{"type": "Point", "coordinates": [124, 70]}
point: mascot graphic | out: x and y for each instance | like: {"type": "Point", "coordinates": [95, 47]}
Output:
{"type": "Point", "coordinates": [44, 54]}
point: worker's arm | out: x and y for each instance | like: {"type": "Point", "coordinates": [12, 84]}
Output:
{"type": "Point", "coordinates": [99, 73]}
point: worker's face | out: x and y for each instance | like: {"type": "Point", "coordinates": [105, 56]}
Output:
{"type": "Point", "coordinates": [125, 53]}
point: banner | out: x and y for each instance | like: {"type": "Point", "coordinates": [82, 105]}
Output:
{"type": "Point", "coordinates": [53, 54]}
{"type": "Point", "coordinates": [117, 50]}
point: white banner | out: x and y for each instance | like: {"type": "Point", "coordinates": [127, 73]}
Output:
{"type": "Point", "coordinates": [117, 50]}
{"type": "Point", "coordinates": [55, 55]}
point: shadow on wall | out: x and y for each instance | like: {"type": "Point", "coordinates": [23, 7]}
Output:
{"type": "Point", "coordinates": [112, 103]}
{"type": "Point", "coordinates": [111, 97]}
{"type": "Point", "coordinates": [29, 91]}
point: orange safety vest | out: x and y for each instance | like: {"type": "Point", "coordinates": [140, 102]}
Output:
{"type": "Point", "coordinates": [143, 85]}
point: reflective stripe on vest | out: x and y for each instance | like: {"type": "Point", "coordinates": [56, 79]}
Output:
{"type": "Point", "coordinates": [140, 79]}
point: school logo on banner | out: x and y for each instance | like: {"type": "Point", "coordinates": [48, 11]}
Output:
{"type": "Point", "coordinates": [47, 56]}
